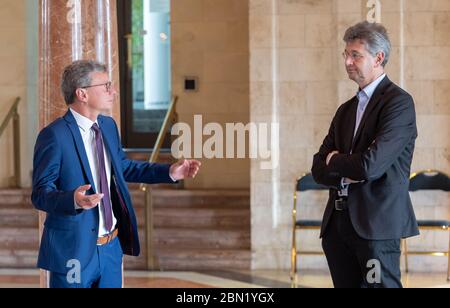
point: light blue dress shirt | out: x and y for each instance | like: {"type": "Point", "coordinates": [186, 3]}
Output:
{"type": "Point", "coordinates": [364, 97]}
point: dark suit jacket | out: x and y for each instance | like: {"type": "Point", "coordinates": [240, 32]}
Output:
{"type": "Point", "coordinates": [60, 167]}
{"type": "Point", "coordinates": [382, 150]}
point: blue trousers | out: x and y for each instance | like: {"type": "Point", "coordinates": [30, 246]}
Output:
{"type": "Point", "coordinates": [103, 271]}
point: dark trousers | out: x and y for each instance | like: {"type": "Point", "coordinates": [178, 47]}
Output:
{"type": "Point", "coordinates": [355, 262]}
{"type": "Point", "coordinates": [103, 271]}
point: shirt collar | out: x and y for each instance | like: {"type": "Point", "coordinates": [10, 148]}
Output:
{"type": "Point", "coordinates": [84, 123]}
{"type": "Point", "coordinates": [370, 88]}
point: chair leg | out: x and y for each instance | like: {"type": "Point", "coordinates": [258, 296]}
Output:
{"type": "Point", "coordinates": [293, 259]}
{"type": "Point", "coordinates": [448, 260]}
{"type": "Point", "coordinates": [293, 263]}
{"type": "Point", "coordinates": [405, 254]}
{"type": "Point", "coordinates": [294, 268]}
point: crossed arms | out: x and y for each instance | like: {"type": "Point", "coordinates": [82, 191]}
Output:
{"type": "Point", "coordinates": [396, 129]}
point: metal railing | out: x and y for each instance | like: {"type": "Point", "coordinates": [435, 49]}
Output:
{"type": "Point", "coordinates": [148, 205]}
{"type": "Point", "coordinates": [13, 115]}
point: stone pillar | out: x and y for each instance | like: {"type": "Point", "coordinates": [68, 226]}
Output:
{"type": "Point", "coordinates": [79, 29]}
{"type": "Point", "coordinates": [71, 30]}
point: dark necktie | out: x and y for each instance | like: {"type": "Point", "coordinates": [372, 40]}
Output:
{"type": "Point", "coordinates": [104, 189]}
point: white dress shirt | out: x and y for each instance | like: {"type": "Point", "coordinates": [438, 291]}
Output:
{"type": "Point", "coordinates": [88, 136]}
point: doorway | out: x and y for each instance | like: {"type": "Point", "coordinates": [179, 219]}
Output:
{"type": "Point", "coordinates": [145, 70]}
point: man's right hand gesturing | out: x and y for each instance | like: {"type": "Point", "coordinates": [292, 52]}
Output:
{"type": "Point", "coordinates": [87, 202]}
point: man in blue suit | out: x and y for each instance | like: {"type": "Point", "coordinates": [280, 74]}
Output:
{"type": "Point", "coordinates": [79, 179]}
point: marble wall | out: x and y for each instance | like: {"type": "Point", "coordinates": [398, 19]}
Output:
{"type": "Point", "coordinates": [13, 83]}
{"type": "Point", "coordinates": [297, 77]}
{"type": "Point", "coordinates": [210, 41]}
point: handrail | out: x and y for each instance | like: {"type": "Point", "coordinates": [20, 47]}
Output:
{"type": "Point", "coordinates": [14, 115]}
{"type": "Point", "coordinates": [12, 111]}
{"type": "Point", "coordinates": [162, 135]}
{"type": "Point", "coordinates": [148, 205]}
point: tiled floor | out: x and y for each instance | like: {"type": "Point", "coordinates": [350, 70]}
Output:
{"type": "Point", "coordinates": [222, 279]}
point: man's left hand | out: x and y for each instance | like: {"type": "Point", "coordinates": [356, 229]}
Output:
{"type": "Point", "coordinates": [330, 156]}
{"type": "Point", "coordinates": [350, 181]}
{"type": "Point", "coordinates": [184, 169]}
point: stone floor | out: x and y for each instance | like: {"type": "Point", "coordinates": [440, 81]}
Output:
{"type": "Point", "coordinates": [222, 279]}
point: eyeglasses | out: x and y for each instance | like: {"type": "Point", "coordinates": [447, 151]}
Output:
{"type": "Point", "coordinates": [355, 56]}
{"type": "Point", "coordinates": [108, 86]}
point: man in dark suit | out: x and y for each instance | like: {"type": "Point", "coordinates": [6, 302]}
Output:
{"type": "Point", "coordinates": [365, 160]}
{"type": "Point", "coordinates": [79, 180]}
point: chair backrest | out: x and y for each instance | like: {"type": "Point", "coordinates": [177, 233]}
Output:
{"type": "Point", "coordinates": [429, 179]}
{"type": "Point", "coordinates": [306, 182]}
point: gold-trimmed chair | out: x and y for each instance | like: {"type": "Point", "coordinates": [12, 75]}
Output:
{"type": "Point", "coordinates": [304, 183]}
{"type": "Point", "coordinates": [430, 180]}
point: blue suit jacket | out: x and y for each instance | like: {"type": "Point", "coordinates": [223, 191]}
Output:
{"type": "Point", "coordinates": [60, 166]}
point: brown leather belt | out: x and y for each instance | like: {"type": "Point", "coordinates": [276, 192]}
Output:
{"type": "Point", "coordinates": [107, 238]}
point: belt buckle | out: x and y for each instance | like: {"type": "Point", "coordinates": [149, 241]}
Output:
{"type": "Point", "coordinates": [337, 204]}
{"type": "Point", "coordinates": [108, 238]}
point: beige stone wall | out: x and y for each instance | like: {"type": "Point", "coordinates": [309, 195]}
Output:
{"type": "Point", "coordinates": [297, 77]}
{"type": "Point", "coordinates": [210, 41]}
{"type": "Point", "coordinates": [13, 83]}
{"type": "Point", "coordinates": [427, 78]}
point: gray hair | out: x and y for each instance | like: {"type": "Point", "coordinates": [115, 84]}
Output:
{"type": "Point", "coordinates": [374, 35]}
{"type": "Point", "coordinates": [78, 75]}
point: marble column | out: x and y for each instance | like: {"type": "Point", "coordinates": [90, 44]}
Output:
{"type": "Point", "coordinates": [71, 30]}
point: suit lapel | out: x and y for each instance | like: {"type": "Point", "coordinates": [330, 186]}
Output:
{"type": "Point", "coordinates": [351, 120]}
{"type": "Point", "coordinates": [374, 101]}
{"type": "Point", "coordinates": [79, 145]}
